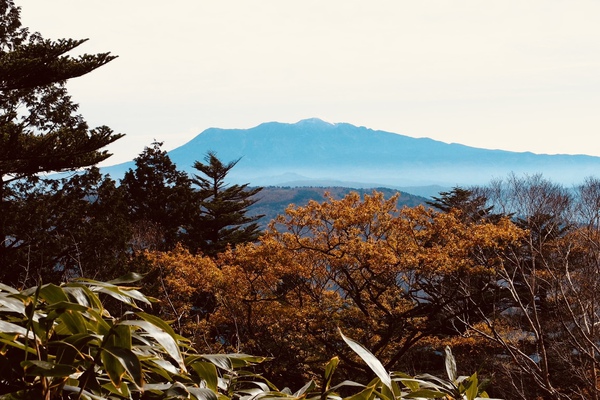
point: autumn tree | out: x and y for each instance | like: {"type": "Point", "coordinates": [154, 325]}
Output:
{"type": "Point", "coordinates": [387, 276]}
{"type": "Point", "coordinates": [40, 130]}
{"type": "Point", "coordinates": [545, 325]}
{"type": "Point", "coordinates": [160, 199]}
{"type": "Point", "coordinates": [222, 217]}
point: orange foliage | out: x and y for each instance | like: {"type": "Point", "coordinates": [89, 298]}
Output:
{"type": "Point", "coordinates": [388, 277]}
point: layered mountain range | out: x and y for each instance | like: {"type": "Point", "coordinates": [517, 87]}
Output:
{"type": "Point", "coordinates": [313, 152]}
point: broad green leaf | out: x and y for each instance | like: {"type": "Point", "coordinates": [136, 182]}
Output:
{"type": "Point", "coordinates": [309, 386]}
{"type": "Point", "coordinates": [177, 390]}
{"type": "Point", "coordinates": [240, 360]}
{"type": "Point", "coordinates": [70, 315]}
{"type": "Point", "coordinates": [220, 360]}
{"type": "Point", "coordinates": [347, 383]}
{"type": "Point", "coordinates": [472, 385]}
{"type": "Point", "coordinates": [130, 363]}
{"type": "Point", "coordinates": [124, 296]}
{"type": "Point", "coordinates": [157, 322]}
{"type": "Point", "coordinates": [120, 336]}
{"type": "Point", "coordinates": [12, 303]}
{"type": "Point", "coordinates": [53, 294]}
{"type": "Point", "coordinates": [84, 394]}
{"type": "Point", "coordinates": [207, 372]}
{"type": "Point", "coordinates": [113, 367]}
{"type": "Point", "coordinates": [425, 394]}
{"type": "Point", "coordinates": [9, 289]}
{"type": "Point", "coordinates": [83, 295]}
{"type": "Point", "coordinates": [366, 394]}
{"type": "Point", "coordinates": [9, 327]}
{"type": "Point", "coordinates": [122, 390]}
{"type": "Point", "coordinates": [11, 341]}
{"type": "Point", "coordinates": [129, 278]}
{"type": "Point", "coordinates": [370, 360]}
{"type": "Point", "coordinates": [71, 347]}
{"type": "Point", "coordinates": [202, 393]}
{"type": "Point", "coordinates": [329, 370]}
{"type": "Point", "coordinates": [450, 365]}
{"type": "Point", "coordinates": [96, 323]}
{"type": "Point", "coordinates": [79, 294]}
{"type": "Point", "coordinates": [163, 338]}
{"type": "Point", "coordinates": [46, 368]}
{"type": "Point", "coordinates": [410, 383]}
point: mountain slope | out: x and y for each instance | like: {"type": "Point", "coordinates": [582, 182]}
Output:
{"type": "Point", "coordinates": [316, 153]}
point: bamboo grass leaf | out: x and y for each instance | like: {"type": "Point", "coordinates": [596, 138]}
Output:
{"type": "Point", "coordinates": [370, 360]}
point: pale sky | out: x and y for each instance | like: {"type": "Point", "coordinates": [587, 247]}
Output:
{"type": "Point", "coordinates": [519, 75]}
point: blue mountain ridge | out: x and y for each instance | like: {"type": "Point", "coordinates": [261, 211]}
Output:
{"type": "Point", "coordinates": [313, 152]}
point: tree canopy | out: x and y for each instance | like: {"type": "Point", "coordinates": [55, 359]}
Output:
{"type": "Point", "coordinates": [40, 131]}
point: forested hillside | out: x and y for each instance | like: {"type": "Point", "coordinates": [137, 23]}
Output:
{"type": "Point", "coordinates": [273, 200]}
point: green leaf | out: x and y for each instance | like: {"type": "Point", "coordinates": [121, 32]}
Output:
{"type": "Point", "coordinates": [207, 372]}
{"type": "Point", "coordinates": [53, 294]}
{"type": "Point", "coordinates": [9, 327]}
{"type": "Point", "coordinates": [329, 370]}
{"type": "Point", "coordinates": [113, 367]}
{"type": "Point", "coordinates": [71, 347]}
{"type": "Point", "coordinates": [166, 341]}
{"type": "Point", "coordinates": [450, 365]}
{"type": "Point", "coordinates": [11, 303]}
{"type": "Point", "coordinates": [370, 360]}
{"type": "Point", "coordinates": [46, 368]}
{"type": "Point", "coordinates": [472, 384]}
{"type": "Point", "coordinates": [240, 360]}
{"type": "Point", "coordinates": [220, 360]}
{"type": "Point", "coordinates": [202, 393]}
{"type": "Point", "coordinates": [122, 390]}
{"type": "Point", "coordinates": [9, 289]}
{"type": "Point", "coordinates": [70, 314]}
{"type": "Point", "coordinates": [128, 278]}
{"type": "Point", "coordinates": [130, 363]}
{"type": "Point", "coordinates": [309, 386]}
{"type": "Point", "coordinates": [366, 394]}
{"type": "Point", "coordinates": [425, 394]}
{"type": "Point", "coordinates": [177, 390]}
{"type": "Point", "coordinates": [157, 322]}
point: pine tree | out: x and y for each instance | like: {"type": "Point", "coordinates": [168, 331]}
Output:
{"type": "Point", "coordinates": [223, 218]}
{"type": "Point", "coordinates": [40, 130]}
{"type": "Point", "coordinates": [159, 198]}
{"type": "Point", "coordinates": [67, 228]}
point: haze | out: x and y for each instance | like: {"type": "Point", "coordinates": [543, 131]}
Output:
{"type": "Point", "coordinates": [512, 75]}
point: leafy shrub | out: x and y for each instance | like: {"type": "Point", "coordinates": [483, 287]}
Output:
{"type": "Point", "coordinates": [59, 342]}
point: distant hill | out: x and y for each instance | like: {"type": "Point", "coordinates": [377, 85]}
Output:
{"type": "Point", "coordinates": [317, 153]}
{"type": "Point", "coordinates": [274, 200]}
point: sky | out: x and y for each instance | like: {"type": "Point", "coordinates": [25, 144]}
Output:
{"type": "Point", "coordinates": [518, 75]}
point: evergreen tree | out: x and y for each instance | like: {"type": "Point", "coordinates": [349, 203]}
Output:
{"type": "Point", "coordinates": [223, 218]}
{"type": "Point", "coordinates": [471, 204]}
{"type": "Point", "coordinates": [66, 228]}
{"type": "Point", "coordinates": [159, 198]}
{"type": "Point", "coordinates": [40, 130]}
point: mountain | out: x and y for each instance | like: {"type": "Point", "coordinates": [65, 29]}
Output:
{"type": "Point", "coordinates": [313, 152]}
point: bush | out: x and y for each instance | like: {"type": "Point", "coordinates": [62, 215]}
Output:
{"type": "Point", "coordinates": [59, 342]}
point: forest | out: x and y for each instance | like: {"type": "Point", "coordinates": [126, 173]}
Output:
{"type": "Point", "coordinates": [162, 285]}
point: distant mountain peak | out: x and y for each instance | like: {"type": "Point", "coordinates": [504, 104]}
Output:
{"type": "Point", "coordinates": [322, 151]}
{"type": "Point", "coordinates": [313, 122]}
